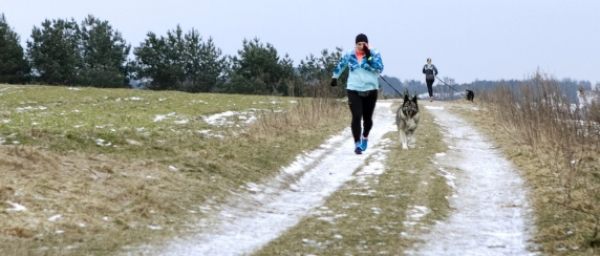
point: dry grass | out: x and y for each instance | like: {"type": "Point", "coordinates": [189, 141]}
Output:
{"type": "Point", "coordinates": [557, 150]}
{"type": "Point", "coordinates": [371, 215]}
{"type": "Point", "coordinates": [147, 178]}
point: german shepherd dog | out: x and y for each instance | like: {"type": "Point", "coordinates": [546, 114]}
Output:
{"type": "Point", "coordinates": [470, 95]}
{"type": "Point", "coordinates": [407, 120]}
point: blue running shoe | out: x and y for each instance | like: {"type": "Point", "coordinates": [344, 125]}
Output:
{"type": "Point", "coordinates": [363, 144]}
{"type": "Point", "coordinates": [357, 148]}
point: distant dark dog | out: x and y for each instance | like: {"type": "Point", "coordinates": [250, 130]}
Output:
{"type": "Point", "coordinates": [470, 95]}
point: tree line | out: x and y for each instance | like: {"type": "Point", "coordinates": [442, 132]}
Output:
{"type": "Point", "coordinates": [93, 53]}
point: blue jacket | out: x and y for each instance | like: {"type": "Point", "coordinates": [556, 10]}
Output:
{"type": "Point", "coordinates": [363, 75]}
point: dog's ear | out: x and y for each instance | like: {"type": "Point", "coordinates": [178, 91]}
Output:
{"type": "Point", "coordinates": [405, 97]}
{"type": "Point", "coordinates": [414, 99]}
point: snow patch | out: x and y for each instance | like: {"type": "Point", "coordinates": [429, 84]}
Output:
{"type": "Point", "coordinates": [16, 207]}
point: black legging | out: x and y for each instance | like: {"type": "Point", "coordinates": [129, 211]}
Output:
{"type": "Point", "coordinates": [361, 108]}
{"type": "Point", "coordinates": [430, 86]}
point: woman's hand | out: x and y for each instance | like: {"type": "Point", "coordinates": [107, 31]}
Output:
{"type": "Point", "coordinates": [367, 52]}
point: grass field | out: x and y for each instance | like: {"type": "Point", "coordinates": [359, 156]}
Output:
{"type": "Point", "coordinates": [89, 171]}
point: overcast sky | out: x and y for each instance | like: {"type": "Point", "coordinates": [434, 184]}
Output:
{"type": "Point", "coordinates": [466, 39]}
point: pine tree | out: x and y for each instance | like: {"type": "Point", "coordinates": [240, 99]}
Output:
{"type": "Point", "coordinates": [259, 70]}
{"type": "Point", "coordinates": [14, 68]}
{"type": "Point", "coordinates": [104, 53]}
{"type": "Point", "coordinates": [159, 61]}
{"type": "Point", "coordinates": [54, 52]}
{"type": "Point", "coordinates": [316, 73]}
{"type": "Point", "coordinates": [180, 62]}
{"type": "Point", "coordinates": [213, 67]}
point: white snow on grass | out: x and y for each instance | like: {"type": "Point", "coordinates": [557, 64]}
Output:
{"type": "Point", "coordinates": [159, 118]}
{"type": "Point", "coordinates": [228, 119]}
{"type": "Point", "coordinates": [261, 214]}
{"type": "Point", "coordinates": [224, 118]}
{"type": "Point", "coordinates": [218, 119]}
{"type": "Point", "coordinates": [30, 108]}
{"type": "Point", "coordinates": [55, 217]}
{"type": "Point", "coordinates": [155, 227]}
{"type": "Point", "coordinates": [102, 143]}
{"type": "Point", "coordinates": [491, 213]}
{"type": "Point", "coordinates": [208, 133]}
{"type": "Point", "coordinates": [16, 207]}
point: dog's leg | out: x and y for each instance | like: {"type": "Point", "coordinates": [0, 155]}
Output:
{"type": "Point", "coordinates": [402, 137]}
{"type": "Point", "coordinates": [412, 141]}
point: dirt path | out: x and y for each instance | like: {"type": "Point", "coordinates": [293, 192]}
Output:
{"type": "Point", "coordinates": [490, 208]}
{"type": "Point", "coordinates": [489, 215]}
{"type": "Point", "coordinates": [255, 218]}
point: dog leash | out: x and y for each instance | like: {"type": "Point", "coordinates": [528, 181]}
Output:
{"type": "Point", "coordinates": [390, 85]}
{"type": "Point", "coordinates": [446, 83]}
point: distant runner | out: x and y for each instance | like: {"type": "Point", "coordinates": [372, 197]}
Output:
{"type": "Point", "coordinates": [430, 72]}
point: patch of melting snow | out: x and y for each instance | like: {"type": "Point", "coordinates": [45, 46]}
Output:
{"type": "Point", "coordinates": [416, 212]}
{"type": "Point", "coordinates": [218, 119]}
{"type": "Point", "coordinates": [159, 118]}
{"type": "Point", "coordinates": [449, 177]}
{"type": "Point", "coordinates": [223, 118]}
{"type": "Point", "coordinates": [208, 133]}
{"type": "Point", "coordinates": [55, 217]}
{"type": "Point", "coordinates": [16, 207]}
{"type": "Point", "coordinates": [376, 210]}
{"type": "Point", "coordinates": [260, 214]}
{"type": "Point", "coordinates": [21, 109]}
{"type": "Point", "coordinates": [100, 142]}
{"type": "Point", "coordinates": [376, 166]}
{"type": "Point", "coordinates": [368, 193]}
{"type": "Point", "coordinates": [182, 121]}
